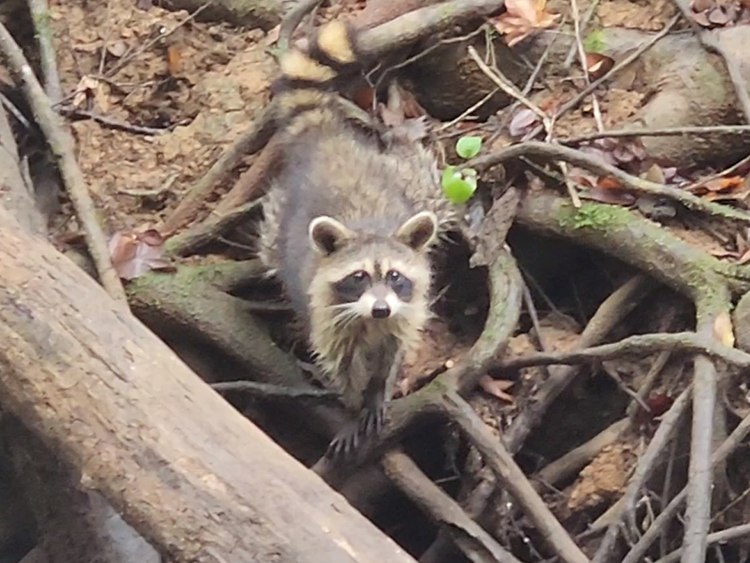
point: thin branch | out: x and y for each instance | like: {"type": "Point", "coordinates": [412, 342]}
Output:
{"type": "Point", "coordinates": [292, 20]}
{"type": "Point", "coordinates": [659, 132]}
{"type": "Point", "coordinates": [40, 15]}
{"type": "Point", "coordinates": [512, 478]}
{"type": "Point", "coordinates": [638, 551]}
{"type": "Point", "coordinates": [586, 19]}
{"type": "Point", "coordinates": [61, 144]}
{"type": "Point", "coordinates": [700, 476]}
{"type": "Point", "coordinates": [566, 107]}
{"type": "Point", "coordinates": [475, 543]}
{"type": "Point", "coordinates": [598, 166]}
{"type": "Point", "coordinates": [113, 123]}
{"type": "Point", "coordinates": [269, 390]}
{"type": "Point", "coordinates": [640, 345]}
{"type": "Point", "coordinates": [418, 24]}
{"type": "Point", "coordinates": [646, 466]}
{"type": "Point", "coordinates": [584, 66]}
{"type": "Point", "coordinates": [720, 537]}
{"type": "Point", "coordinates": [609, 314]}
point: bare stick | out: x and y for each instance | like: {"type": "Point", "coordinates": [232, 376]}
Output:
{"type": "Point", "coordinates": [511, 477]}
{"type": "Point", "coordinates": [608, 315]}
{"type": "Point", "coordinates": [253, 140]}
{"type": "Point", "coordinates": [292, 20]}
{"type": "Point", "coordinates": [731, 170]}
{"type": "Point", "coordinates": [735, 439]}
{"type": "Point", "coordinates": [641, 344]}
{"type": "Point", "coordinates": [616, 68]}
{"type": "Point", "coordinates": [476, 544]}
{"type": "Point", "coordinates": [115, 124]}
{"type": "Point", "coordinates": [586, 19]}
{"type": "Point", "coordinates": [418, 24]}
{"type": "Point", "coordinates": [563, 467]}
{"type": "Point", "coordinates": [582, 60]}
{"type": "Point", "coordinates": [722, 537]}
{"type": "Point", "coordinates": [598, 166]}
{"type": "Point", "coordinates": [269, 390]}
{"type": "Point", "coordinates": [41, 18]}
{"type": "Point", "coordinates": [646, 466]}
{"type": "Point", "coordinates": [571, 104]}
{"type": "Point", "coordinates": [660, 132]}
{"type": "Point", "coordinates": [700, 476]}
{"type": "Point", "coordinates": [61, 145]}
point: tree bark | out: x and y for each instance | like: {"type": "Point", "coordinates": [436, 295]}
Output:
{"type": "Point", "coordinates": [186, 470]}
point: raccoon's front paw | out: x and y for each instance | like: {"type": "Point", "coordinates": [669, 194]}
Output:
{"type": "Point", "coordinates": [345, 446]}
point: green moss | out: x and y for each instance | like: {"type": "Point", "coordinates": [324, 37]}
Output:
{"type": "Point", "coordinates": [594, 42]}
{"type": "Point", "coordinates": [592, 215]}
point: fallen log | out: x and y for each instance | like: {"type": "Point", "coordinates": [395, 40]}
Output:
{"type": "Point", "coordinates": [186, 470]}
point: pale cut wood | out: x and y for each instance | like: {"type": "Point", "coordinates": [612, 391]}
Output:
{"type": "Point", "coordinates": [185, 469]}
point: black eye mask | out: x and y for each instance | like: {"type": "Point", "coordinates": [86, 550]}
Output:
{"type": "Point", "coordinates": [400, 284]}
{"type": "Point", "coordinates": [351, 288]}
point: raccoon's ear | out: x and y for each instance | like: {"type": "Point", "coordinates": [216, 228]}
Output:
{"type": "Point", "coordinates": [327, 235]}
{"type": "Point", "coordinates": [419, 230]}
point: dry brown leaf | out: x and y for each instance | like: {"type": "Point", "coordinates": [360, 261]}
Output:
{"type": "Point", "coordinates": [723, 330]}
{"type": "Point", "coordinates": [522, 18]}
{"type": "Point", "coordinates": [497, 388]}
{"type": "Point", "coordinates": [598, 65]}
{"type": "Point", "coordinates": [134, 254]}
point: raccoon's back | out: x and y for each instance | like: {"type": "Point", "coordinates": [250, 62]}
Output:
{"type": "Point", "coordinates": [341, 176]}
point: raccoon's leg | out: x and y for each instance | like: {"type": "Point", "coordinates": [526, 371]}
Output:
{"type": "Point", "coordinates": [382, 373]}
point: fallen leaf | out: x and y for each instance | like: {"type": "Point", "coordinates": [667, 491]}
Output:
{"type": "Point", "coordinates": [598, 65]}
{"type": "Point", "coordinates": [723, 330]}
{"type": "Point", "coordinates": [497, 388]}
{"type": "Point", "coordinates": [523, 122]}
{"type": "Point", "coordinates": [272, 36]}
{"type": "Point", "coordinates": [134, 254]}
{"type": "Point", "coordinates": [174, 60]}
{"type": "Point", "coordinates": [608, 190]}
{"type": "Point", "coordinates": [701, 5]}
{"type": "Point", "coordinates": [87, 90]}
{"type": "Point", "coordinates": [655, 174]}
{"type": "Point", "coordinates": [657, 405]}
{"type": "Point", "coordinates": [522, 18]}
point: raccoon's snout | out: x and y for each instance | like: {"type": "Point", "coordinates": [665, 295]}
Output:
{"type": "Point", "coordinates": [380, 309]}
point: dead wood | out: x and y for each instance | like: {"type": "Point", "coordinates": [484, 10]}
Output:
{"type": "Point", "coordinates": [17, 195]}
{"type": "Point", "coordinates": [635, 240]}
{"type": "Point", "coordinates": [74, 524]}
{"type": "Point", "coordinates": [477, 544]}
{"type": "Point", "coordinates": [115, 402]}
{"type": "Point", "coordinates": [61, 144]}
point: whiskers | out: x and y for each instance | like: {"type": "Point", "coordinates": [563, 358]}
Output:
{"type": "Point", "coordinates": [344, 314]}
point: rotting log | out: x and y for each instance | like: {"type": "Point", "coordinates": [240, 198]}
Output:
{"type": "Point", "coordinates": [187, 471]}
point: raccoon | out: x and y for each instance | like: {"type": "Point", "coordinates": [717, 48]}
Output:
{"type": "Point", "coordinates": [350, 220]}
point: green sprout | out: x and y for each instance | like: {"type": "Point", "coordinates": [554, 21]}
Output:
{"type": "Point", "coordinates": [460, 185]}
{"type": "Point", "coordinates": [594, 43]}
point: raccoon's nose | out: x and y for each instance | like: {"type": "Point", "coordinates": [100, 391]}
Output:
{"type": "Point", "coordinates": [380, 309]}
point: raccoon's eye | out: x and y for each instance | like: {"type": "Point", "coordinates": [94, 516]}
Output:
{"type": "Point", "coordinates": [400, 284]}
{"type": "Point", "coordinates": [393, 276]}
{"type": "Point", "coordinates": [359, 276]}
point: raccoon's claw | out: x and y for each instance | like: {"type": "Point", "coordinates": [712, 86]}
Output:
{"type": "Point", "coordinates": [371, 422]}
{"type": "Point", "coordinates": [344, 447]}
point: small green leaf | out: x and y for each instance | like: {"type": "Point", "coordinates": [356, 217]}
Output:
{"type": "Point", "coordinates": [468, 147]}
{"type": "Point", "coordinates": [594, 42]}
{"type": "Point", "coordinates": [457, 188]}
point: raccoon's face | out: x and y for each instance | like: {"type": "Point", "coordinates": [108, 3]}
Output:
{"type": "Point", "coordinates": [373, 278]}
